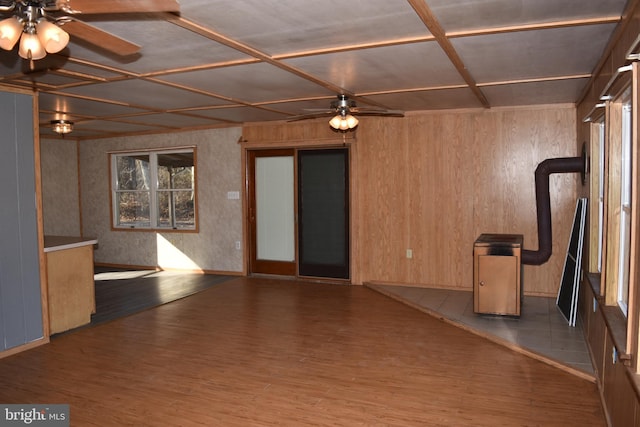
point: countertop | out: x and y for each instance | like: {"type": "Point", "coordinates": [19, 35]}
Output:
{"type": "Point", "coordinates": [58, 243]}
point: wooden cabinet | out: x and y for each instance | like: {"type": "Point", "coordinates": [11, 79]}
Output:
{"type": "Point", "coordinates": [497, 271]}
{"type": "Point", "coordinates": [70, 282]}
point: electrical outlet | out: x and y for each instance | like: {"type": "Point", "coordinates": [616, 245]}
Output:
{"type": "Point", "coordinates": [409, 253]}
{"type": "Point", "coordinates": [238, 247]}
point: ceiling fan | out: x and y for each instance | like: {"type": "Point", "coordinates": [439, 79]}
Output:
{"type": "Point", "coordinates": [38, 24]}
{"type": "Point", "coordinates": [343, 110]}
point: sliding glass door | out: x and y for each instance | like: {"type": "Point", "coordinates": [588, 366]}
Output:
{"type": "Point", "coordinates": [299, 216]}
{"type": "Point", "coordinates": [323, 213]}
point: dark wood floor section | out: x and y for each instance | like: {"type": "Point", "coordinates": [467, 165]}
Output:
{"type": "Point", "coordinates": [121, 292]}
{"type": "Point", "coordinates": [262, 352]}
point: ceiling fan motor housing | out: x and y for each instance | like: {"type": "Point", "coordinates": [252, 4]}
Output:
{"type": "Point", "coordinates": [343, 104]}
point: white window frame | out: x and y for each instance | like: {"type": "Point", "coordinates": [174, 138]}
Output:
{"type": "Point", "coordinates": [601, 157]}
{"type": "Point", "coordinates": [153, 191]}
{"type": "Point", "coordinates": [625, 208]}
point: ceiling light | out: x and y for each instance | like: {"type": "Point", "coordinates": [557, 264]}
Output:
{"type": "Point", "coordinates": [30, 46]}
{"type": "Point", "coordinates": [37, 35]}
{"type": "Point", "coordinates": [343, 121]}
{"type": "Point", "coordinates": [52, 37]}
{"type": "Point", "coordinates": [62, 127]}
{"type": "Point", "coordinates": [10, 31]}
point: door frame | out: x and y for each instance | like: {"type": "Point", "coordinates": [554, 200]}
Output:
{"type": "Point", "coordinates": [276, 267]}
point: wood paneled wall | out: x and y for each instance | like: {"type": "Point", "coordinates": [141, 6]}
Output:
{"type": "Point", "coordinates": [619, 384]}
{"type": "Point", "coordinates": [433, 182]}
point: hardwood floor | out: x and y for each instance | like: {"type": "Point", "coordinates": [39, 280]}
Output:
{"type": "Point", "coordinates": [120, 292]}
{"type": "Point", "coordinates": [265, 352]}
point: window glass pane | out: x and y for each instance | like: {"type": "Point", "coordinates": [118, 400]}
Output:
{"type": "Point", "coordinates": [176, 209]}
{"type": "Point", "coordinates": [133, 172]}
{"type": "Point", "coordinates": [133, 208]}
{"type": "Point", "coordinates": [175, 171]}
{"type": "Point", "coordinates": [275, 224]}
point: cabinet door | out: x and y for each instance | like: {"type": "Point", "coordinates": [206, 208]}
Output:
{"type": "Point", "coordinates": [497, 284]}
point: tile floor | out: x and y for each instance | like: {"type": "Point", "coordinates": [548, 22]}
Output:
{"type": "Point", "coordinates": [541, 330]}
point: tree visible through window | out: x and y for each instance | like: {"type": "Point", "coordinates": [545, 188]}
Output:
{"type": "Point", "coordinates": [154, 189]}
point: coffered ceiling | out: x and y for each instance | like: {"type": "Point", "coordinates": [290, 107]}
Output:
{"type": "Point", "coordinates": [232, 61]}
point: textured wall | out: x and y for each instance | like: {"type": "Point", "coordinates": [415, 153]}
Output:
{"type": "Point", "coordinates": [61, 208]}
{"type": "Point", "coordinates": [220, 220]}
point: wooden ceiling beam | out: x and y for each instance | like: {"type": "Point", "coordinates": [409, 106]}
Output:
{"type": "Point", "coordinates": [533, 27]}
{"type": "Point", "coordinates": [212, 35]}
{"type": "Point", "coordinates": [429, 19]}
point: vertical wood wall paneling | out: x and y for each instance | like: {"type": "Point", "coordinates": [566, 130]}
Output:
{"type": "Point", "coordinates": [384, 169]}
{"type": "Point", "coordinates": [441, 208]}
{"type": "Point", "coordinates": [432, 182]}
{"type": "Point", "coordinates": [621, 399]}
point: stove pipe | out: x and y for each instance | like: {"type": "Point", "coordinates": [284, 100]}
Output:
{"type": "Point", "coordinates": [543, 203]}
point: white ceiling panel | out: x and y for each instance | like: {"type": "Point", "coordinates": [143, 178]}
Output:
{"type": "Point", "coordinates": [174, 120]}
{"type": "Point", "coordinates": [465, 15]}
{"type": "Point", "coordinates": [78, 107]}
{"type": "Point", "coordinates": [251, 83]}
{"type": "Point", "coordinates": [442, 99]}
{"type": "Point", "coordinates": [241, 114]}
{"type": "Point", "coordinates": [163, 45]}
{"type": "Point", "coordinates": [230, 62]}
{"type": "Point", "coordinates": [549, 92]}
{"type": "Point", "coordinates": [115, 127]}
{"type": "Point", "coordinates": [283, 27]}
{"type": "Point", "coordinates": [409, 66]}
{"type": "Point", "coordinates": [145, 94]}
{"type": "Point", "coordinates": [533, 54]}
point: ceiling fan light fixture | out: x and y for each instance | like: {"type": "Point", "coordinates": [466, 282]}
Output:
{"type": "Point", "coordinates": [10, 31]}
{"type": "Point", "coordinates": [343, 122]}
{"type": "Point", "coordinates": [351, 121]}
{"type": "Point", "coordinates": [52, 37]}
{"type": "Point", "coordinates": [335, 121]}
{"type": "Point", "coordinates": [62, 127]}
{"type": "Point", "coordinates": [30, 46]}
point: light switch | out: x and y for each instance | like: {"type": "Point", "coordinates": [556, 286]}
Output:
{"type": "Point", "coordinates": [233, 195]}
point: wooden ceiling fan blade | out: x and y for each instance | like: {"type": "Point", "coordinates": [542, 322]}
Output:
{"type": "Point", "coordinates": [387, 113]}
{"type": "Point", "coordinates": [120, 6]}
{"type": "Point", "coordinates": [101, 38]}
{"type": "Point", "coordinates": [319, 110]}
{"type": "Point", "coordinates": [308, 116]}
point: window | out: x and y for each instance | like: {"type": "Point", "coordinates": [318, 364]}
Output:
{"type": "Point", "coordinates": [625, 208]}
{"type": "Point", "coordinates": [597, 193]}
{"type": "Point", "coordinates": [616, 262]}
{"type": "Point", "coordinates": [154, 189]}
